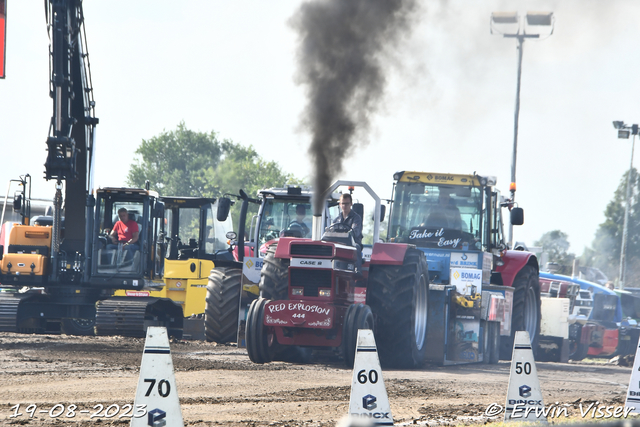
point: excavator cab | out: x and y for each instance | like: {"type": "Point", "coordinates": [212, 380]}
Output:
{"type": "Point", "coordinates": [119, 264]}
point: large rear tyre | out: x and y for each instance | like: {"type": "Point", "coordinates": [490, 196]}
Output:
{"type": "Point", "coordinates": [274, 277]}
{"type": "Point", "coordinates": [358, 316]}
{"type": "Point", "coordinates": [222, 305]}
{"type": "Point", "coordinates": [83, 327]}
{"type": "Point", "coordinates": [260, 342]}
{"type": "Point", "coordinates": [399, 298]}
{"type": "Point", "coordinates": [526, 314]}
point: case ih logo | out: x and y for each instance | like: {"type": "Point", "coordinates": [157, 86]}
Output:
{"type": "Point", "coordinates": [369, 402]}
{"type": "Point", "coordinates": [525, 391]}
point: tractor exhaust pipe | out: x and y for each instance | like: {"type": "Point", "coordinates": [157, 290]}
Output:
{"type": "Point", "coordinates": [316, 227]}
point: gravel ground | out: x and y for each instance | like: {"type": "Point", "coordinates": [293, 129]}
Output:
{"type": "Point", "coordinates": [218, 385]}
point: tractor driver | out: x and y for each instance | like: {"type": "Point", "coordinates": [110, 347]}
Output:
{"type": "Point", "coordinates": [125, 231]}
{"type": "Point", "coordinates": [349, 218]}
{"type": "Point", "coordinates": [449, 210]}
{"type": "Point", "coordinates": [301, 213]}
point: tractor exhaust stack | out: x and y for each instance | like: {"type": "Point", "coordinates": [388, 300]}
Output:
{"type": "Point", "coordinates": [316, 227]}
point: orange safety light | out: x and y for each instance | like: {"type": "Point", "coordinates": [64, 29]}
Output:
{"type": "Point", "coordinates": [3, 32]}
{"type": "Point", "coordinates": [512, 186]}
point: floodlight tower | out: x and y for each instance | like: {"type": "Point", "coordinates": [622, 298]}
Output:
{"type": "Point", "coordinates": [623, 133]}
{"type": "Point", "coordinates": [509, 25]}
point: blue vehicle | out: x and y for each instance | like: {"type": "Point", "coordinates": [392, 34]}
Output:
{"type": "Point", "coordinates": [605, 332]}
{"type": "Point", "coordinates": [456, 220]}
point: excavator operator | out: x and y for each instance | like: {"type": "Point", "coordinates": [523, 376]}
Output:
{"type": "Point", "coordinates": [125, 232]}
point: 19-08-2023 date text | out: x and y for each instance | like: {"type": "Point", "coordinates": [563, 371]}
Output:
{"type": "Point", "coordinates": [71, 410]}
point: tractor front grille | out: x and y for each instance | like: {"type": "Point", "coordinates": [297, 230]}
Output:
{"type": "Point", "coordinates": [310, 280]}
{"type": "Point", "coordinates": [312, 250]}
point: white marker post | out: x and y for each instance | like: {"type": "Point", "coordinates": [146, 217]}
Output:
{"type": "Point", "coordinates": [157, 392]}
{"type": "Point", "coordinates": [524, 397]}
{"type": "Point", "coordinates": [633, 392]}
{"type": "Point", "coordinates": [369, 398]}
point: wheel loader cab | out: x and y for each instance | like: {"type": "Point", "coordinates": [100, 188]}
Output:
{"type": "Point", "coordinates": [193, 229]}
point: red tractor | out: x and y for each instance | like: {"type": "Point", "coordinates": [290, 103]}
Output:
{"type": "Point", "coordinates": [318, 292]}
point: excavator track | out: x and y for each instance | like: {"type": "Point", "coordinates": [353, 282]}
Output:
{"type": "Point", "coordinates": [131, 316]}
{"type": "Point", "coordinates": [9, 303]}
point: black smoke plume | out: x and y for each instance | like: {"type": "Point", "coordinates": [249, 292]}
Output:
{"type": "Point", "coordinates": [343, 53]}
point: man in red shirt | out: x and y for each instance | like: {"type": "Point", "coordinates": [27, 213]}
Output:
{"type": "Point", "coordinates": [125, 231]}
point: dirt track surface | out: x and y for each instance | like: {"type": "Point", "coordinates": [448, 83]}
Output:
{"type": "Point", "coordinates": [218, 385]}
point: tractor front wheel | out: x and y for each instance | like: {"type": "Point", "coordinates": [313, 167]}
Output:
{"type": "Point", "coordinates": [399, 298]}
{"type": "Point", "coordinates": [358, 316]}
{"type": "Point", "coordinates": [222, 305]}
{"type": "Point", "coordinates": [577, 349]}
{"type": "Point", "coordinates": [260, 342]}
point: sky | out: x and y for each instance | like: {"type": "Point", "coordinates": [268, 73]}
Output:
{"type": "Point", "coordinates": [230, 67]}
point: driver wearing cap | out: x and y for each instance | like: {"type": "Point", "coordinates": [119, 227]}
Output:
{"type": "Point", "coordinates": [349, 218]}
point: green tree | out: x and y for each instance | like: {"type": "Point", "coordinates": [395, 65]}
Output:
{"type": "Point", "coordinates": [556, 244]}
{"type": "Point", "coordinates": [174, 162]}
{"type": "Point", "coordinates": [187, 163]}
{"type": "Point", "coordinates": [608, 238]}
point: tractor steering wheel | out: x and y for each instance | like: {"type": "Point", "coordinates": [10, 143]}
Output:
{"type": "Point", "coordinates": [339, 227]}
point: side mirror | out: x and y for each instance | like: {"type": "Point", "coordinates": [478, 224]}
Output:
{"type": "Point", "coordinates": [158, 210]}
{"type": "Point", "coordinates": [383, 211]}
{"type": "Point", "coordinates": [224, 205]}
{"type": "Point", "coordinates": [17, 202]}
{"type": "Point", "coordinates": [517, 216]}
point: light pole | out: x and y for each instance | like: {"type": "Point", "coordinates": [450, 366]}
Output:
{"type": "Point", "coordinates": [623, 133]}
{"type": "Point", "coordinates": [512, 22]}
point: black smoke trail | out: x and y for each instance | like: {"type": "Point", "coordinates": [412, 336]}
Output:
{"type": "Point", "coordinates": [342, 57]}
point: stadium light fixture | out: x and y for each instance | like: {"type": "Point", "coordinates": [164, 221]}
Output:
{"type": "Point", "coordinates": [510, 20]}
{"type": "Point", "coordinates": [624, 131]}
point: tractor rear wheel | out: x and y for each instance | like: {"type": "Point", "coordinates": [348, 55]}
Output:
{"type": "Point", "coordinates": [399, 298]}
{"type": "Point", "coordinates": [260, 342]}
{"type": "Point", "coordinates": [358, 316]}
{"type": "Point", "coordinates": [525, 314]}
{"type": "Point", "coordinates": [274, 277]}
{"type": "Point", "coordinates": [222, 305]}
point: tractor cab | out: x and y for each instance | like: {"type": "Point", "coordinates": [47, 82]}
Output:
{"type": "Point", "coordinates": [438, 215]}
{"type": "Point", "coordinates": [283, 212]}
{"type": "Point", "coordinates": [452, 218]}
